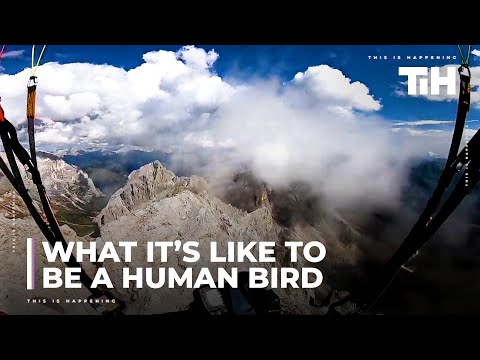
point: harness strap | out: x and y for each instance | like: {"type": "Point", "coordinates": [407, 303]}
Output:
{"type": "Point", "coordinates": [417, 236]}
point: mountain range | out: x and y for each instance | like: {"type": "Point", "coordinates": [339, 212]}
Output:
{"type": "Point", "coordinates": [139, 197]}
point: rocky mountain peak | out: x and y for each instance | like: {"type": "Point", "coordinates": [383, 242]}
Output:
{"type": "Point", "coordinates": [149, 183]}
{"type": "Point", "coordinates": [156, 205]}
{"type": "Point", "coordinates": [66, 184]}
{"type": "Point", "coordinates": [245, 192]}
{"type": "Point", "coordinates": [58, 175]}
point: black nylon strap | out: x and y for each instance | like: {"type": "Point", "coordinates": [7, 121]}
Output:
{"type": "Point", "coordinates": [462, 110]}
{"type": "Point", "coordinates": [10, 156]}
{"type": "Point", "coordinates": [31, 140]}
{"type": "Point", "coordinates": [52, 233]}
{"type": "Point", "coordinates": [13, 146]}
{"type": "Point", "coordinates": [415, 238]}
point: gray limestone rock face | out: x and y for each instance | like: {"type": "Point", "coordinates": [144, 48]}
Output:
{"type": "Point", "coordinates": [67, 185]}
{"type": "Point", "coordinates": [14, 295]}
{"type": "Point", "coordinates": [154, 206]}
{"type": "Point", "coordinates": [191, 217]}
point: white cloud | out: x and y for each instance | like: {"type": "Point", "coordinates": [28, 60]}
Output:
{"type": "Point", "coordinates": [422, 122]}
{"type": "Point", "coordinates": [476, 52]}
{"type": "Point", "coordinates": [307, 129]}
{"type": "Point", "coordinates": [169, 90]}
{"type": "Point", "coordinates": [330, 85]}
{"type": "Point", "coordinates": [197, 58]}
{"type": "Point", "coordinates": [13, 54]}
{"type": "Point", "coordinates": [349, 158]}
{"type": "Point", "coordinates": [469, 133]}
{"type": "Point", "coordinates": [57, 135]}
{"type": "Point", "coordinates": [430, 132]}
{"type": "Point", "coordinates": [73, 107]}
{"type": "Point", "coordinates": [428, 122]}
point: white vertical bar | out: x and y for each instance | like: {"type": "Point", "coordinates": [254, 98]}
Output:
{"type": "Point", "coordinates": [30, 264]}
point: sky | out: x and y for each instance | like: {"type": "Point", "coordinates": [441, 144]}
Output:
{"type": "Point", "coordinates": [282, 61]}
{"type": "Point", "coordinates": [289, 112]}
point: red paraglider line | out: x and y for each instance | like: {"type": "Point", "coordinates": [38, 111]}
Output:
{"type": "Point", "coordinates": [1, 52]}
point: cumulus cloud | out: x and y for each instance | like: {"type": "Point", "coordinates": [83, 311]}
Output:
{"type": "Point", "coordinates": [102, 103]}
{"type": "Point", "coordinates": [476, 52]}
{"type": "Point", "coordinates": [197, 58]}
{"type": "Point", "coordinates": [329, 85]}
{"type": "Point", "coordinates": [320, 127]}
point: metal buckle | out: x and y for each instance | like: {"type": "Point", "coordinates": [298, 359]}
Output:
{"type": "Point", "coordinates": [32, 81]}
{"type": "Point", "coordinates": [464, 67]}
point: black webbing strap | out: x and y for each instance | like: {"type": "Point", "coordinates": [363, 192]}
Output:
{"type": "Point", "coordinates": [31, 101]}
{"type": "Point", "coordinates": [51, 231]}
{"type": "Point", "coordinates": [416, 237]}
